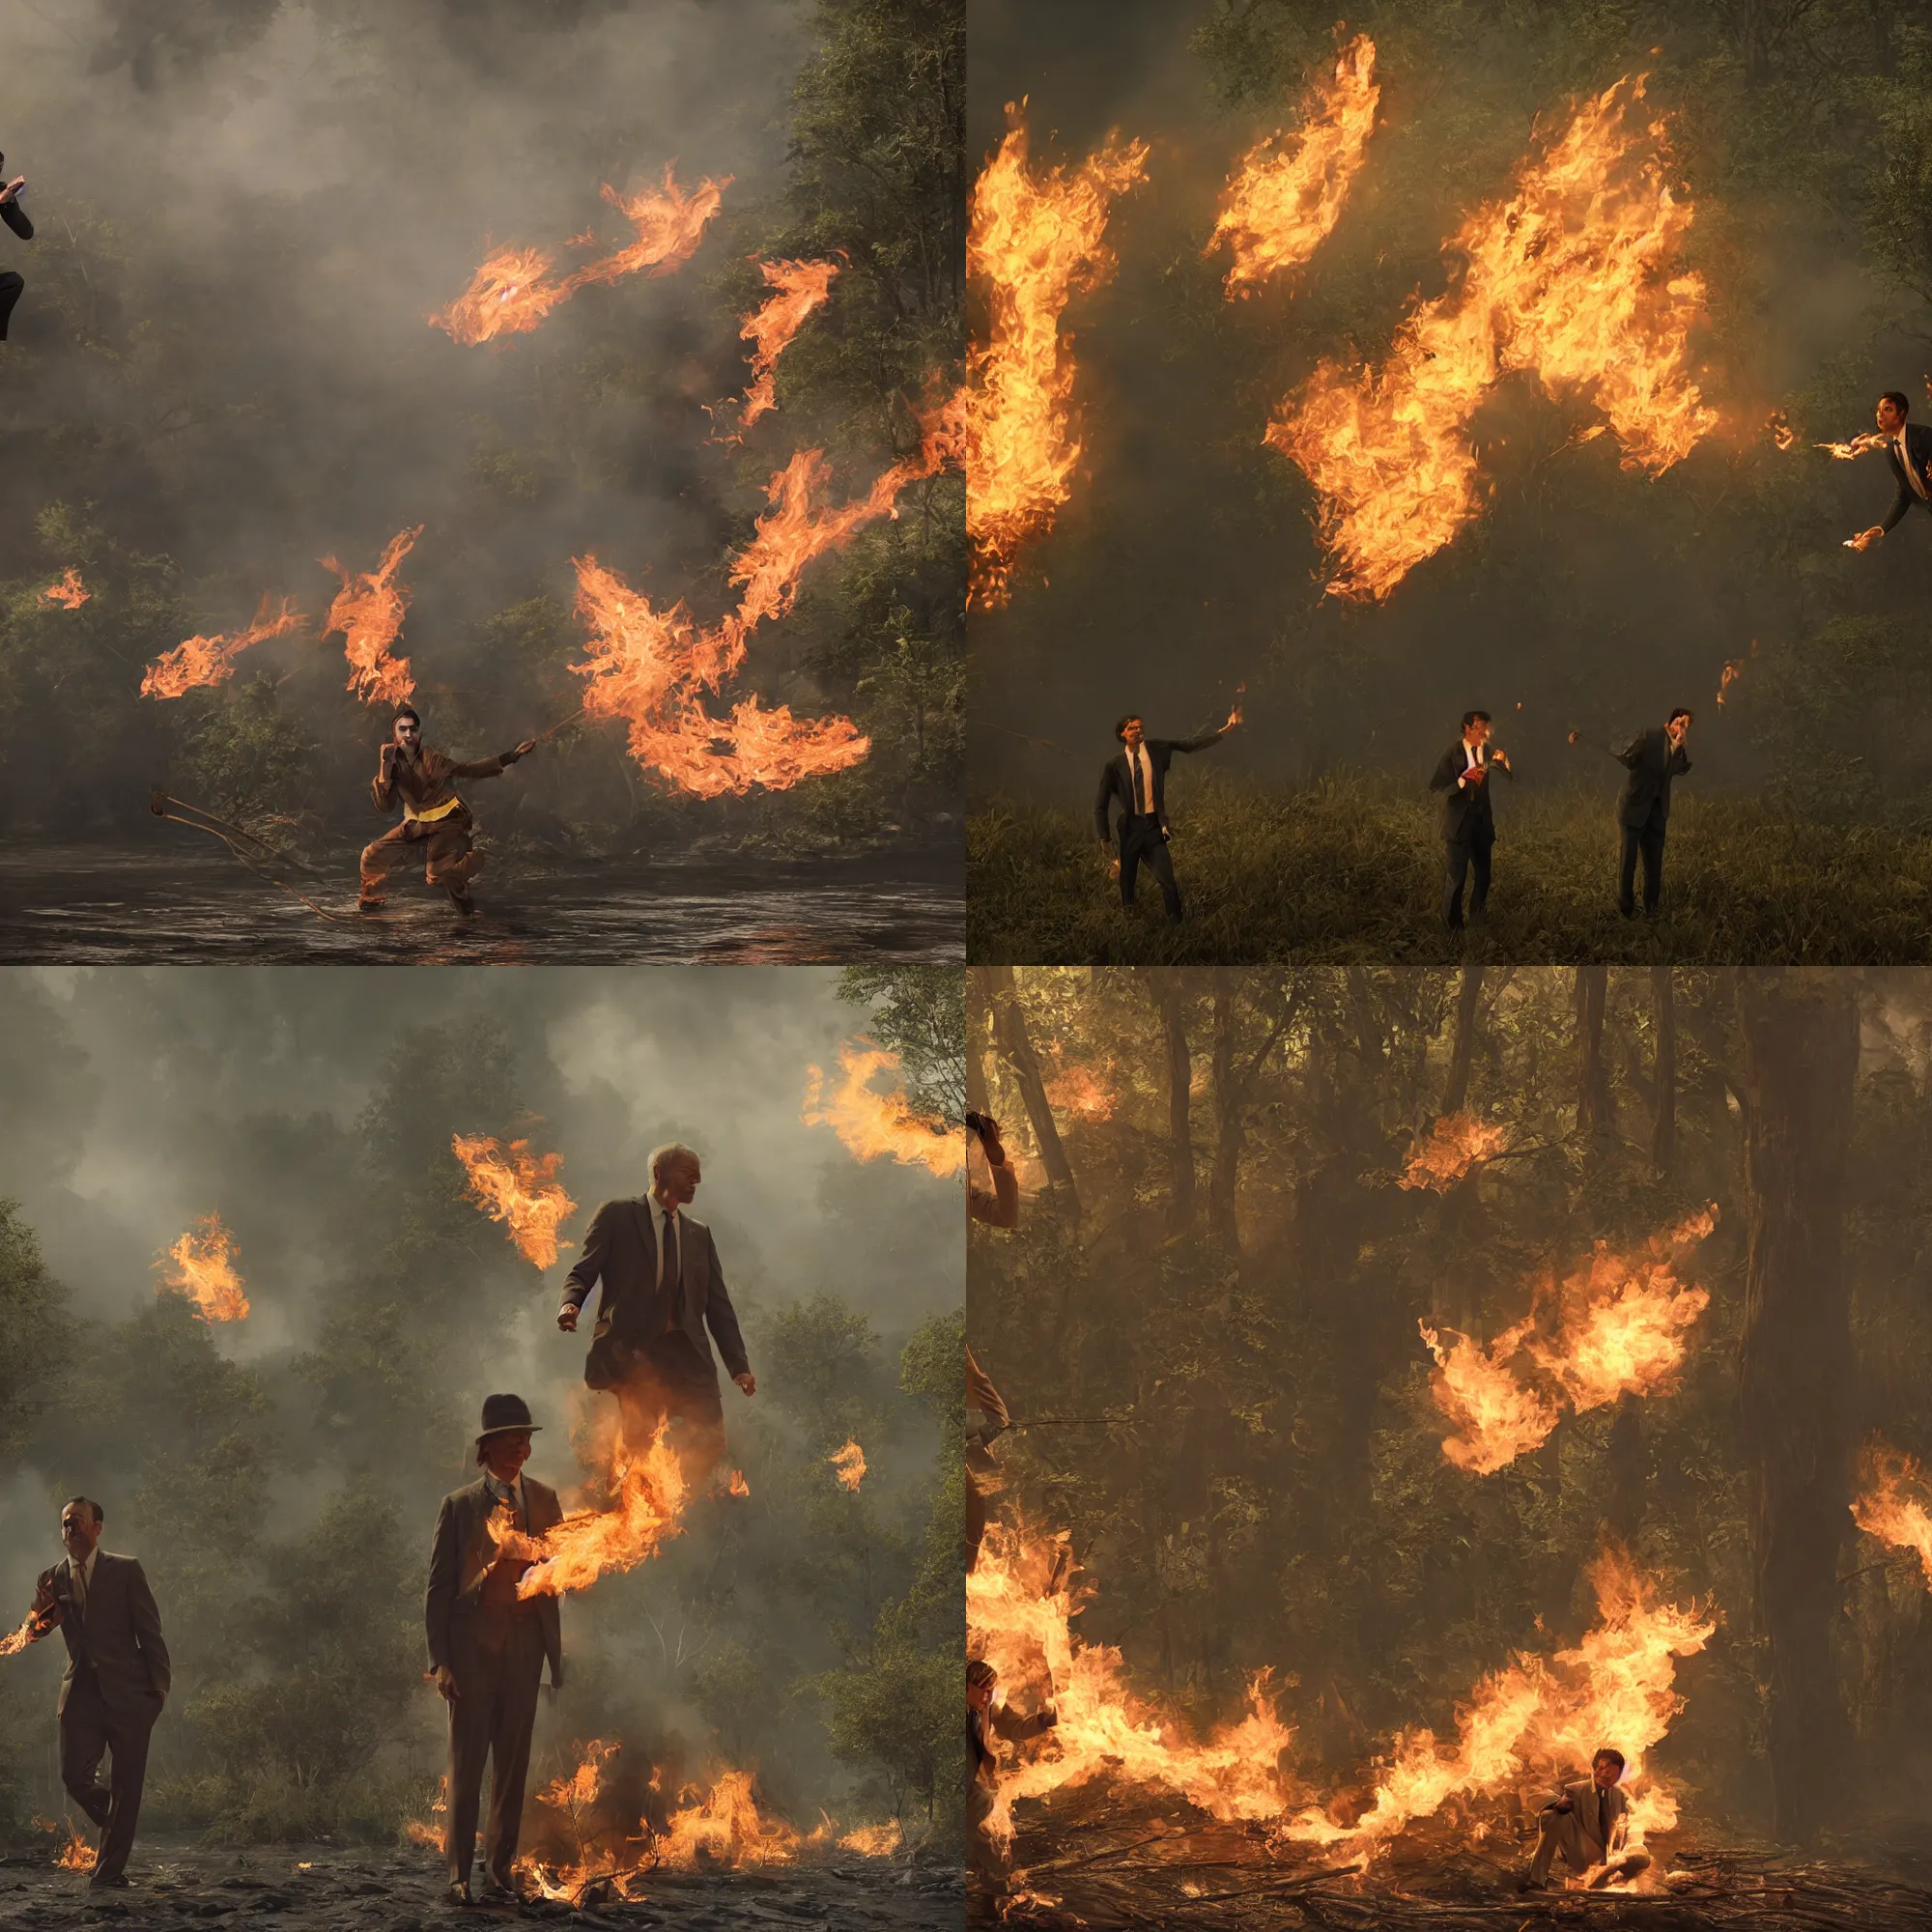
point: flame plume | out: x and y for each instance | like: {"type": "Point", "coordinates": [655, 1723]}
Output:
{"type": "Point", "coordinates": [1860, 446]}
{"type": "Point", "coordinates": [200, 661]}
{"type": "Point", "coordinates": [871, 1124]}
{"type": "Point", "coordinates": [1497, 1418]}
{"type": "Point", "coordinates": [1892, 1504]}
{"type": "Point", "coordinates": [517, 287]}
{"type": "Point", "coordinates": [519, 1188]}
{"type": "Point", "coordinates": [850, 1463]}
{"type": "Point", "coordinates": [76, 1855]}
{"type": "Point", "coordinates": [368, 612]}
{"type": "Point", "coordinates": [1282, 206]}
{"type": "Point", "coordinates": [1568, 280]}
{"type": "Point", "coordinates": [1034, 239]}
{"type": "Point", "coordinates": [874, 1841]}
{"type": "Point", "coordinates": [67, 590]}
{"type": "Point", "coordinates": [1457, 1143]}
{"type": "Point", "coordinates": [723, 1826]}
{"type": "Point", "coordinates": [33, 1627]}
{"type": "Point", "coordinates": [1079, 1093]}
{"type": "Point", "coordinates": [801, 288]}
{"type": "Point", "coordinates": [204, 1270]}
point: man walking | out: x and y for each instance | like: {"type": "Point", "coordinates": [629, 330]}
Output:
{"type": "Point", "coordinates": [116, 1681]}
{"type": "Point", "coordinates": [1468, 823]}
{"type": "Point", "coordinates": [1137, 778]}
{"type": "Point", "coordinates": [486, 1647]}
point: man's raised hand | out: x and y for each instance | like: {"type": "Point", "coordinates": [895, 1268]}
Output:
{"type": "Point", "coordinates": [566, 1317]}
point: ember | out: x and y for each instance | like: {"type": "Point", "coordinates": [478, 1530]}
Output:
{"type": "Point", "coordinates": [1281, 206]}
{"type": "Point", "coordinates": [1781, 432]}
{"type": "Point", "coordinates": [67, 590]}
{"type": "Point", "coordinates": [519, 1189]}
{"type": "Point", "coordinates": [202, 661]}
{"type": "Point", "coordinates": [204, 1270]}
{"type": "Point", "coordinates": [368, 612]}
{"type": "Point", "coordinates": [850, 1463]}
{"type": "Point", "coordinates": [871, 1124]}
{"type": "Point", "coordinates": [1894, 1492]}
{"type": "Point", "coordinates": [800, 288]}
{"type": "Point", "coordinates": [1455, 1144]}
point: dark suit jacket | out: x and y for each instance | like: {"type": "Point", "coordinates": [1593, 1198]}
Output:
{"type": "Point", "coordinates": [1466, 813]}
{"type": "Point", "coordinates": [1653, 761]}
{"type": "Point", "coordinates": [1918, 446]}
{"type": "Point", "coordinates": [119, 1637]}
{"type": "Point", "coordinates": [460, 1554]}
{"type": "Point", "coordinates": [16, 219]}
{"type": "Point", "coordinates": [621, 1251]}
{"type": "Point", "coordinates": [1117, 782]}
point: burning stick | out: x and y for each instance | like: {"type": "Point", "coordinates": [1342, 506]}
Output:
{"type": "Point", "coordinates": [1860, 446]}
{"type": "Point", "coordinates": [850, 1463]}
{"type": "Point", "coordinates": [200, 661]}
{"type": "Point", "coordinates": [368, 612]}
{"type": "Point", "coordinates": [1892, 1504]}
{"type": "Point", "coordinates": [1452, 1148]}
{"type": "Point", "coordinates": [871, 1124]}
{"type": "Point", "coordinates": [67, 590]}
{"type": "Point", "coordinates": [1034, 239]}
{"type": "Point", "coordinates": [1280, 207]}
{"type": "Point", "coordinates": [802, 287]}
{"type": "Point", "coordinates": [33, 1627]}
{"type": "Point", "coordinates": [204, 1271]}
{"type": "Point", "coordinates": [518, 1189]}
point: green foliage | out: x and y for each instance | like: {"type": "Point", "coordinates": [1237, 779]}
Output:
{"type": "Point", "coordinates": [918, 1012]}
{"type": "Point", "coordinates": [34, 1318]}
{"type": "Point", "coordinates": [246, 759]}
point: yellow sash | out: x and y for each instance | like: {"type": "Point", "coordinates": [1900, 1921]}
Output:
{"type": "Point", "coordinates": [432, 814]}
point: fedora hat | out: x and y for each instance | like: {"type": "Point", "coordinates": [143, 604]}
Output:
{"type": "Point", "coordinates": [502, 1413]}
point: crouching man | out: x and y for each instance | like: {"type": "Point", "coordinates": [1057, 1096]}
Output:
{"type": "Point", "coordinates": [1589, 1823]}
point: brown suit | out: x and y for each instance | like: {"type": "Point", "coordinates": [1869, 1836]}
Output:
{"type": "Point", "coordinates": [116, 1683]}
{"type": "Point", "coordinates": [651, 1343]}
{"type": "Point", "coordinates": [496, 1646]}
{"type": "Point", "coordinates": [1588, 1827]}
{"type": "Point", "coordinates": [425, 785]}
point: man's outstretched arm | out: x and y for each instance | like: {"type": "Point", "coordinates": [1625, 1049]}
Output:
{"type": "Point", "coordinates": [721, 1319]}
{"type": "Point", "coordinates": [490, 768]}
{"type": "Point", "coordinates": [590, 1264]}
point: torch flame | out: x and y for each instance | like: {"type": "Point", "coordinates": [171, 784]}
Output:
{"type": "Point", "coordinates": [1036, 240]}
{"type": "Point", "coordinates": [33, 1627]}
{"type": "Point", "coordinates": [67, 590]}
{"type": "Point", "coordinates": [871, 1124]}
{"type": "Point", "coordinates": [1892, 1504]}
{"type": "Point", "coordinates": [1566, 280]}
{"type": "Point", "coordinates": [200, 661]}
{"type": "Point", "coordinates": [1282, 206]}
{"type": "Point", "coordinates": [802, 287]}
{"type": "Point", "coordinates": [1457, 1143]}
{"type": "Point", "coordinates": [368, 612]}
{"type": "Point", "coordinates": [850, 1463]}
{"type": "Point", "coordinates": [1860, 446]}
{"type": "Point", "coordinates": [519, 1188]}
{"type": "Point", "coordinates": [204, 1270]}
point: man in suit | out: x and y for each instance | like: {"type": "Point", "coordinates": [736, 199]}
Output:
{"type": "Point", "coordinates": [1138, 780]}
{"type": "Point", "coordinates": [989, 1719]}
{"type": "Point", "coordinates": [661, 1288]}
{"type": "Point", "coordinates": [434, 817]}
{"type": "Point", "coordinates": [1653, 758]}
{"type": "Point", "coordinates": [986, 1415]}
{"type": "Point", "coordinates": [1908, 449]}
{"type": "Point", "coordinates": [116, 1681]}
{"type": "Point", "coordinates": [1469, 824]}
{"type": "Point", "coordinates": [1589, 1823]}
{"type": "Point", "coordinates": [15, 218]}
{"type": "Point", "coordinates": [486, 1647]}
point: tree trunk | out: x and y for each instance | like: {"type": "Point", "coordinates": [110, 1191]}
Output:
{"type": "Point", "coordinates": [1010, 1033]}
{"type": "Point", "coordinates": [1801, 1061]}
{"type": "Point", "coordinates": [1169, 995]}
{"type": "Point", "coordinates": [1593, 1085]}
{"type": "Point", "coordinates": [979, 1009]}
{"type": "Point", "coordinates": [1229, 1133]}
{"type": "Point", "coordinates": [1456, 1094]}
{"type": "Point", "coordinates": [1664, 1122]}
{"type": "Point", "coordinates": [1629, 1470]}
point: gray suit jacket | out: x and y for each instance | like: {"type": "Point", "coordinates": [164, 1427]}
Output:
{"type": "Point", "coordinates": [119, 1639]}
{"type": "Point", "coordinates": [460, 1554]}
{"type": "Point", "coordinates": [1579, 1800]}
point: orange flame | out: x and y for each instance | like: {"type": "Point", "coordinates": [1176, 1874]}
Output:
{"type": "Point", "coordinates": [1496, 1417]}
{"type": "Point", "coordinates": [1781, 432]}
{"type": "Point", "coordinates": [850, 1462]}
{"type": "Point", "coordinates": [205, 1271]}
{"type": "Point", "coordinates": [871, 1124]}
{"type": "Point", "coordinates": [1536, 1719]}
{"type": "Point", "coordinates": [736, 1484]}
{"type": "Point", "coordinates": [1567, 280]}
{"type": "Point", "coordinates": [200, 661]}
{"type": "Point", "coordinates": [1078, 1093]}
{"type": "Point", "coordinates": [33, 1627]}
{"type": "Point", "coordinates": [723, 1826]}
{"type": "Point", "coordinates": [1282, 206]}
{"type": "Point", "coordinates": [1892, 1504]}
{"type": "Point", "coordinates": [1036, 240]}
{"type": "Point", "coordinates": [1860, 446]}
{"type": "Point", "coordinates": [368, 612]}
{"type": "Point", "coordinates": [519, 1188]}
{"type": "Point", "coordinates": [67, 590]}
{"type": "Point", "coordinates": [516, 287]}
{"type": "Point", "coordinates": [1457, 1143]}
{"type": "Point", "coordinates": [1235, 709]}
{"type": "Point", "coordinates": [874, 1841]}
{"type": "Point", "coordinates": [420, 1831]}
{"type": "Point", "coordinates": [76, 1855]}
{"type": "Point", "coordinates": [802, 287]}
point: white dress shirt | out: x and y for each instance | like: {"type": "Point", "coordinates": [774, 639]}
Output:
{"type": "Point", "coordinates": [1138, 762]}
{"type": "Point", "coordinates": [1472, 756]}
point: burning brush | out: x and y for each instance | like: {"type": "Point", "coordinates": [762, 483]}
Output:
{"type": "Point", "coordinates": [871, 1124]}
{"type": "Point", "coordinates": [34, 1626]}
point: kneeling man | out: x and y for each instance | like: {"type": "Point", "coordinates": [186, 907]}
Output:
{"type": "Point", "coordinates": [1589, 1823]}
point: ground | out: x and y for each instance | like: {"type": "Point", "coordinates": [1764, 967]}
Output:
{"type": "Point", "coordinates": [325, 1889]}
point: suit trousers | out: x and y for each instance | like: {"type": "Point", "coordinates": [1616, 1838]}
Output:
{"type": "Point", "coordinates": [1462, 858]}
{"type": "Point", "coordinates": [1141, 844]}
{"type": "Point", "coordinates": [448, 858]}
{"type": "Point", "coordinates": [1564, 1832]}
{"type": "Point", "coordinates": [497, 1657]}
{"type": "Point", "coordinates": [11, 286]}
{"type": "Point", "coordinates": [670, 1382]}
{"type": "Point", "coordinates": [89, 1731]}
{"type": "Point", "coordinates": [1646, 839]}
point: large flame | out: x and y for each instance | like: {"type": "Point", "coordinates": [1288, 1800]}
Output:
{"type": "Point", "coordinates": [1495, 1417]}
{"type": "Point", "coordinates": [1285, 202]}
{"type": "Point", "coordinates": [67, 590]}
{"type": "Point", "coordinates": [721, 1824]}
{"type": "Point", "coordinates": [873, 1841]}
{"type": "Point", "coordinates": [1079, 1093]}
{"type": "Point", "coordinates": [204, 1270]}
{"type": "Point", "coordinates": [1452, 1147]}
{"type": "Point", "coordinates": [1894, 1492]}
{"type": "Point", "coordinates": [1570, 280]}
{"type": "Point", "coordinates": [199, 661]}
{"type": "Point", "coordinates": [1537, 1721]}
{"type": "Point", "coordinates": [368, 612]}
{"type": "Point", "coordinates": [850, 1463]}
{"type": "Point", "coordinates": [517, 287]}
{"type": "Point", "coordinates": [799, 287]}
{"type": "Point", "coordinates": [871, 1124]}
{"type": "Point", "coordinates": [1035, 240]}
{"type": "Point", "coordinates": [76, 1855]}
{"type": "Point", "coordinates": [519, 1188]}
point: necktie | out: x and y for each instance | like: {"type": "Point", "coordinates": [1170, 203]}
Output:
{"type": "Point", "coordinates": [1604, 1820]}
{"type": "Point", "coordinates": [79, 1589]}
{"type": "Point", "coordinates": [674, 1277]}
{"type": "Point", "coordinates": [1140, 792]}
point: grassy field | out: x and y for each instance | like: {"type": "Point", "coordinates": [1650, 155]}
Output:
{"type": "Point", "coordinates": [1350, 869]}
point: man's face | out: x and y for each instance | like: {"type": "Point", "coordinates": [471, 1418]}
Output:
{"type": "Point", "coordinates": [1888, 417]}
{"type": "Point", "coordinates": [1478, 732]}
{"type": "Point", "coordinates": [1131, 734]}
{"type": "Point", "coordinates": [504, 1455]}
{"type": "Point", "coordinates": [79, 1531]}
{"type": "Point", "coordinates": [979, 1696]}
{"type": "Point", "coordinates": [409, 734]}
{"type": "Point", "coordinates": [1605, 1771]}
{"type": "Point", "coordinates": [678, 1183]}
